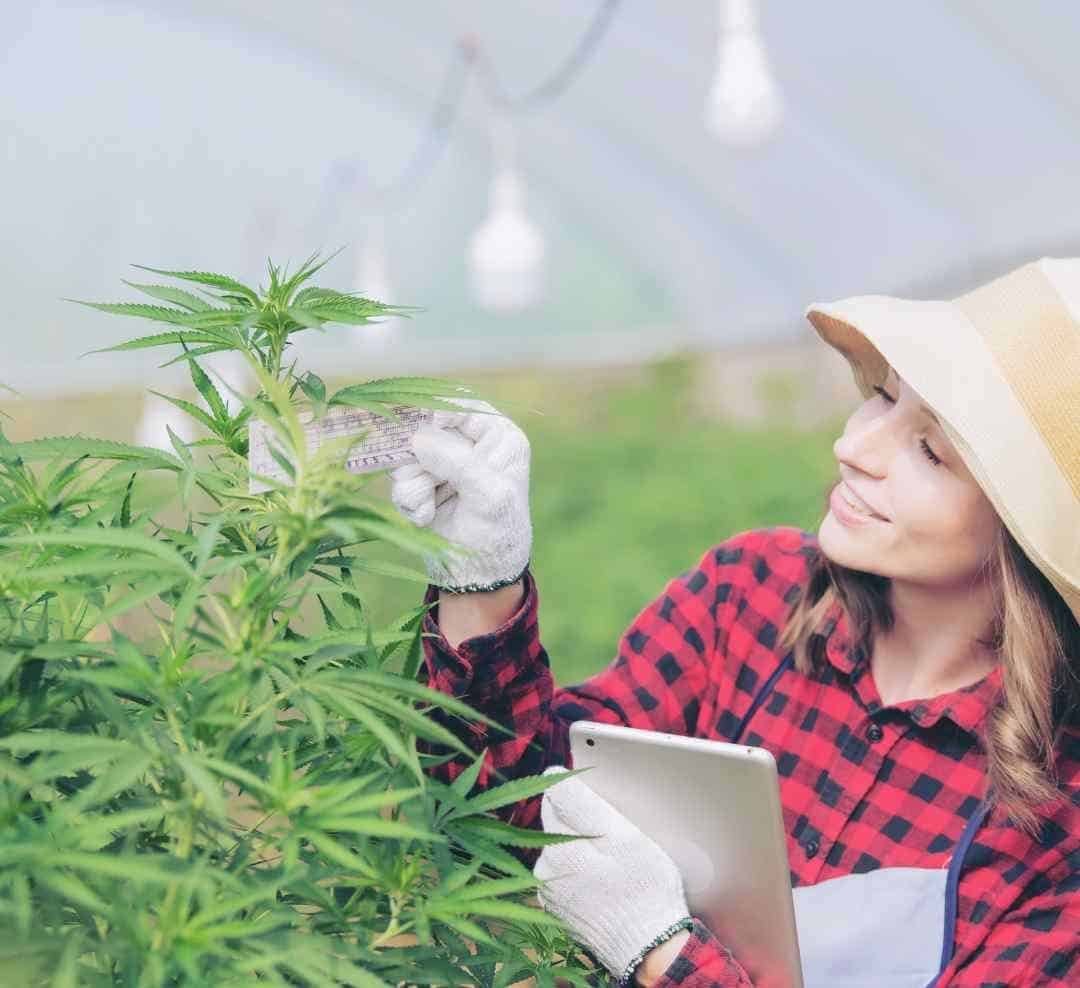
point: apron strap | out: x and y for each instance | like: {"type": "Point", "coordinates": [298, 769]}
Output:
{"type": "Point", "coordinates": [956, 863]}
{"type": "Point", "coordinates": [952, 882]}
{"type": "Point", "coordinates": [763, 694]}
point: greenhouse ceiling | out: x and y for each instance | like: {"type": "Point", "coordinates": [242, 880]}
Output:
{"type": "Point", "coordinates": [921, 146]}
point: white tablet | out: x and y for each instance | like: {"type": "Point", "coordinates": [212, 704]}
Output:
{"type": "Point", "coordinates": [714, 808]}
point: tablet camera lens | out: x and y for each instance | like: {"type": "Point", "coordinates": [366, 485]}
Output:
{"type": "Point", "coordinates": [590, 742]}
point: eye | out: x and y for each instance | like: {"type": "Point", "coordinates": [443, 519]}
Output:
{"type": "Point", "coordinates": [930, 455]}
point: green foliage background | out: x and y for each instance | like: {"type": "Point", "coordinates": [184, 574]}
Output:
{"type": "Point", "coordinates": [630, 485]}
{"type": "Point", "coordinates": [126, 759]}
{"type": "Point", "coordinates": [215, 763]}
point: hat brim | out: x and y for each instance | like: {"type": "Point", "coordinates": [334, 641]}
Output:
{"type": "Point", "coordinates": [935, 348]}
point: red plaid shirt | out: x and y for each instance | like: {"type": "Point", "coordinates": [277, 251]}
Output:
{"type": "Point", "coordinates": [863, 785]}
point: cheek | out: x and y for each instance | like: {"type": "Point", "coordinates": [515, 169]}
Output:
{"type": "Point", "coordinates": [927, 505]}
{"type": "Point", "coordinates": [980, 527]}
{"type": "Point", "coordinates": [955, 519]}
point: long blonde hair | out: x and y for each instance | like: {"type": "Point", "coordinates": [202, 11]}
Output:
{"type": "Point", "coordinates": [1036, 638]}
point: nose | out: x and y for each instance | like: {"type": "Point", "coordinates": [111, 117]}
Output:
{"type": "Point", "coordinates": [866, 444]}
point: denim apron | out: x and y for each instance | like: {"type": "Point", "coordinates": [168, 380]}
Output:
{"type": "Point", "coordinates": [887, 928]}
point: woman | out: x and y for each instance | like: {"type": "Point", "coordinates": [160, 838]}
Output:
{"type": "Point", "coordinates": [912, 667]}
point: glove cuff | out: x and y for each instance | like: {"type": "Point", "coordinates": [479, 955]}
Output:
{"type": "Point", "coordinates": [500, 563]}
{"type": "Point", "coordinates": [627, 977]}
{"type": "Point", "coordinates": [485, 587]}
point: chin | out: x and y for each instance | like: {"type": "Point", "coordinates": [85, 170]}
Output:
{"type": "Point", "coordinates": [847, 547]}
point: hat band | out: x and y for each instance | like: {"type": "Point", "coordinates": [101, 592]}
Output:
{"type": "Point", "coordinates": [1035, 342]}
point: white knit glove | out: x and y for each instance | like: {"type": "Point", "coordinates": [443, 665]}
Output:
{"type": "Point", "coordinates": [620, 894]}
{"type": "Point", "coordinates": [470, 484]}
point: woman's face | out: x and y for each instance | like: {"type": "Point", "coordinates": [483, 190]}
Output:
{"type": "Point", "coordinates": [936, 526]}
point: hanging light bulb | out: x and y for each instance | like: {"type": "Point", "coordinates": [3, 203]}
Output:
{"type": "Point", "coordinates": [158, 416]}
{"type": "Point", "coordinates": [373, 280]}
{"type": "Point", "coordinates": [744, 105]}
{"type": "Point", "coordinates": [507, 252]}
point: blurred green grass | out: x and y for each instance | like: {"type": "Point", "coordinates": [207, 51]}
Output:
{"type": "Point", "coordinates": [631, 483]}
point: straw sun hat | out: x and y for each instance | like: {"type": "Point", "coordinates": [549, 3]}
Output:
{"type": "Point", "coordinates": [1000, 367]}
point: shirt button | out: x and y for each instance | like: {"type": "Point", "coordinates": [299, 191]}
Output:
{"type": "Point", "coordinates": [875, 733]}
{"type": "Point", "coordinates": [811, 847]}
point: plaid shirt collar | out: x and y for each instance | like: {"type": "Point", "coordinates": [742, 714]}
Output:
{"type": "Point", "coordinates": [967, 707]}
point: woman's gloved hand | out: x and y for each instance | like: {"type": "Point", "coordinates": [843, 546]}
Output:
{"type": "Point", "coordinates": [619, 893]}
{"type": "Point", "coordinates": [470, 484]}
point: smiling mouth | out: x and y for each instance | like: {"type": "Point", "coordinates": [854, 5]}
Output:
{"type": "Point", "coordinates": [854, 503]}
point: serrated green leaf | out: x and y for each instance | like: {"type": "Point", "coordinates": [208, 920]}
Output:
{"type": "Point", "coordinates": [113, 538]}
{"type": "Point", "coordinates": [124, 517]}
{"type": "Point", "coordinates": [412, 719]}
{"type": "Point", "coordinates": [50, 740]}
{"type": "Point", "coordinates": [155, 313]}
{"type": "Point", "coordinates": [247, 779]}
{"type": "Point", "coordinates": [491, 854]}
{"type": "Point", "coordinates": [509, 792]}
{"type": "Point", "coordinates": [103, 449]}
{"type": "Point", "coordinates": [139, 594]}
{"type": "Point", "coordinates": [374, 826]}
{"type": "Point", "coordinates": [495, 908]}
{"type": "Point", "coordinates": [305, 318]}
{"type": "Point", "coordinates": [186, 339]}
{"type": "Point", "coordinates": [329, 617]}
{"type": "Point", "coordinates": [189, 408]}
{"type": "Point", "coordinates": [166, 293]}
{"type": "Point", "coordinates": [74, 889]}
{"type": "Point", "coordinates": [397, 684]}
{"type": "Point", "coordinates": [65, 474]}
{"type": "Point", "coordinates": [266, 893]}
{"type": "Point", "coordinates": [404, 390]}
{"type": "Point", "coordinates": [311, 266]}
{"type": "Point", "coordinates": [466, 927]}
{"type": "Point", "coordinates": [369, 802]}
{"type": "Point", "coordinates": [492, 888]}
{"type": "Point", "coordinates": [488, 828]}
{"type": "Point", "coordinates": [85, 565]}
{"type": "Point", "coordinates": [199, 351]}
{"type": "Point", "coordinates": [108, 783]}
{"type": "Point", "coordinates": [9, 662]}
{"type": "Point", "coordinates": [207, 542]}
{"type": "Point", "coordinates": [127, 867]}
{"type": "Point", "coordinates": [59, 649]}
{"type": "Point", "coordinates": [313, 386]}
{"type": "Point", "coordinates": [305, 295]}
{"type": "Point", "coordinates": [339, 854]}
{"type": "Point", "coordinates": [347, 639]}
{"type": "Point", "coordinates": [219, 281]}
{"type": "Point", "coordinates": [464, 783]}
{"type": "Point", "coordinates": [375, 566]}
{"type": "Point", "coordinates": [181, 451]}
{"type": "Point", "coordinates": [458, 878]}
{"type": "Point", "coordinates": [357, 311]}
{"type": "Point", "coordinates": [209, 392]}
{"type": "Point", "coordinates": [107, 677]}
{"type": "Point", "coordinates": [204, 784]}
{"type": "Point", "coordinates": [243, 929]}
{"type": "Point", "coordinates": [390, 739]}
{"type": "Point", "coordinates": [187, 605]}
{"type": "Point", "coordinates": [281, 459]}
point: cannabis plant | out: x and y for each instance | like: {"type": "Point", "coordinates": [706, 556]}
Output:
{"type": "Point", "coordinates": [213, 759]}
